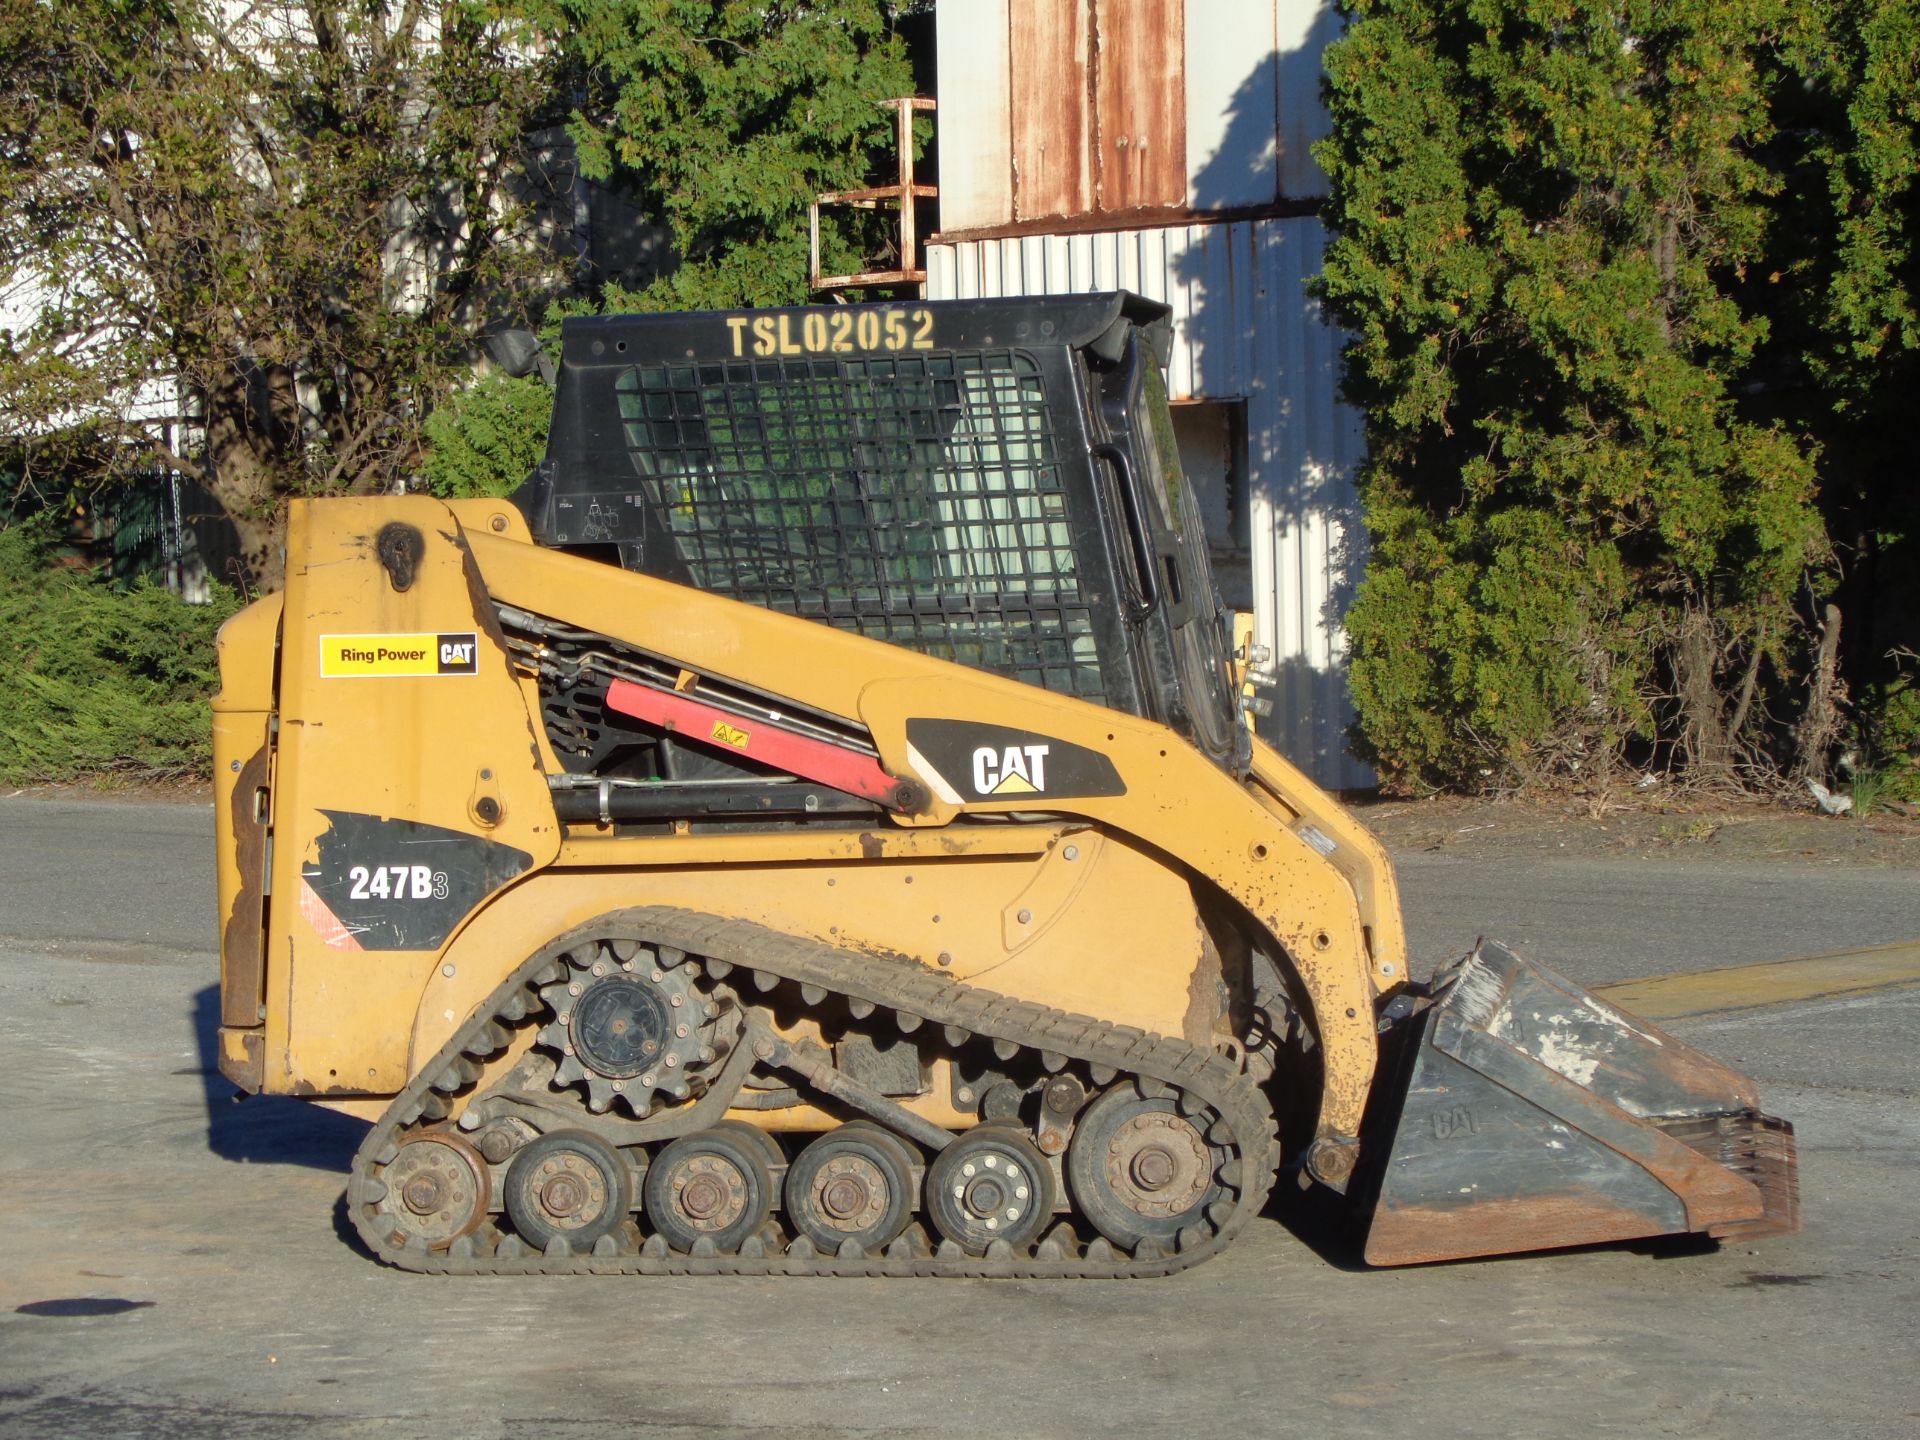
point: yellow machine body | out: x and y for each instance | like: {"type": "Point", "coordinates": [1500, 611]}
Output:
{"type": "Point", "coordinates": [379, 697]}
{"type": "Point", "coordinates": [1120, 922]}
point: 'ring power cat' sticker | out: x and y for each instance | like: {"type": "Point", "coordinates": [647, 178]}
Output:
{"type": "Point", "coordinates": [358, 657]}
{"type": "Point", "coordinates": [965, 761]}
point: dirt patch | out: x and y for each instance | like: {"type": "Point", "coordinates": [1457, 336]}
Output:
{"type": "Point", "coordinates": [1694, 831]}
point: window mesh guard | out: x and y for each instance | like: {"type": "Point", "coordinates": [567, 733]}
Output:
{"type": "Point", "coordinates": [916, 499]}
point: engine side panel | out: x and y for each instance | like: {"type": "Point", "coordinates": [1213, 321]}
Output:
{"type": "Point", "coordinates": [403, 737]}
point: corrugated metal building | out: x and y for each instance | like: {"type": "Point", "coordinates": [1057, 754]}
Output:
{"type": "Point", "coordinates": [1164, 147]}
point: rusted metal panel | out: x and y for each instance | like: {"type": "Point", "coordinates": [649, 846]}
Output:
{"type": "Point", "coordinates": [1050, 53]}
{"type": "Point", "coordinates": [243, 962]}
{"type": "Point", "coordinates": [243, 1056]}
{"type": "Point", "coordinates": [243, 753]}
{"type": "Point", "coordinates": [1139, 115]}
{"type": "Point", "coordinates": [1046, 105]}
{"type": "Point", "coordinates": [976, 177]}
{"type": "Point", "coordinates": [1246, 327]}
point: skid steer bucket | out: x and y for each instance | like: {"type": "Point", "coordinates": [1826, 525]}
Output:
{"type": "Point", "coordinates": [1531, 1115]}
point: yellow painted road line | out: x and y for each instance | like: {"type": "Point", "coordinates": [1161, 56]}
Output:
{"type": "Point", "coordinates": [1773, 982]}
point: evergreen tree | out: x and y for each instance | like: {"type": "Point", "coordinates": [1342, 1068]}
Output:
{"type": "Point", "coordinates": [1563, 236]}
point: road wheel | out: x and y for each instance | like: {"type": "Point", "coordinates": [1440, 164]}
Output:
{"type": "Point", "coordinates": [567, 1185]}
{"type": "Point", "coordinates": [438, 1188]}
{"type": "Point", "coordinates": [990, 1184]}
{"type": "Point", "coordinates": [711, 1185]}
{"type": "Point", "coordinates": [1138, 1169]}
{"type": "Point", "coordinates": [854, 1183]}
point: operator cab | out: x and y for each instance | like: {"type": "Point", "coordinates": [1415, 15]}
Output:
{"type": "Point", "coordinates": [991, 482]}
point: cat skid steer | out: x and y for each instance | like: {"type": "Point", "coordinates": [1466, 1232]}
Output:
{"type": "Point", "coordinates": [814, 827]}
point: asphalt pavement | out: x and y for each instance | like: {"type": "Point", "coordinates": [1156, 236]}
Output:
{"type": "Point", "coordinates": [174, 1264]}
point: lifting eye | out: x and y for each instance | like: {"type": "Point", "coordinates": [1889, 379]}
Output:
{"type": "Point", "coordinates": [399, 548]}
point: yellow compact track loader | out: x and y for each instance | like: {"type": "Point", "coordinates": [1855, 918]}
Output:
{"type": "Point", "coordinates": [814, 827]}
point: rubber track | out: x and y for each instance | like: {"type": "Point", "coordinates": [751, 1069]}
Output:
{"type": "Point", "coordinates": [895, 983]}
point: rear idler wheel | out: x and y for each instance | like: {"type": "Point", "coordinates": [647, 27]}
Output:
{"type": "Point", "coordinates": [1139, 1170]}
{"type": "Point", "coordinates": [713, 1185]}
{"type": "Point", "coordinates": [567, 1185]}
{"type": "Point", "coordinates": [438, 1188]}
{"type": "Point", "coordinates": [990, 1184]}
{"type": "Point", "coordinates": [854, 1183]}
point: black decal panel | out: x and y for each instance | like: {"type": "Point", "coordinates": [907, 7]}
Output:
{"type": "Point", "coordinates": [402, 885]}
{"type": "Point", "coordinates": [996, 762]}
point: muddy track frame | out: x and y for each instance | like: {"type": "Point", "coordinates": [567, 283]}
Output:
{"type": "Point", "coordinates": [894, 982]}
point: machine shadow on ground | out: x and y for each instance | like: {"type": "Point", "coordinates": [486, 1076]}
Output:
{"type": "Point", "coordinates": [265, 1129]}
{"type": "Point", "coordinates": [1320, 1220]}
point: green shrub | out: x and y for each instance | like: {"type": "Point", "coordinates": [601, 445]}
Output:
{"type": "Point", "coordinates": [1591, 543]}
{"type": "Point", "coordinates": [487, 436]}
{"type": "Point", "coordinates": [1891, 738]}
{"type": "Point", "coordinates": [100, 680]}
{"type": "Point", "coordinates": [1493, 648]}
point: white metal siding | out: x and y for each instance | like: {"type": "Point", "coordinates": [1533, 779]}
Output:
{"type": "Point", "coordinates": [976, 181]}
{"type": "Point", "coordinates": [1302, 30]}
{"type": "Point", "coordinates": [1253, 100]}
{"type": "Point", "coordinates": [1244, 326]}
{"type": "Point", "coordinates": [1230, 104]}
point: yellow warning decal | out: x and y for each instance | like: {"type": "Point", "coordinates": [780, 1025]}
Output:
{"type": "Point", "coordinates": [730, 735]}
{"type": "Point", "coordinates": [352, 657]}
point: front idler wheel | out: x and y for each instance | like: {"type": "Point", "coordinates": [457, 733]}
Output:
{"type": "Point", "coordinates": [854, 1183]}
{"type": "Point", "coordinates": [990, 1184]}
{"type": "Point", "coordinates": [1139, 1169]}
{"type": "Point", "coordinates": [567, 1185]}
{"type": "Point", "coordinates": [713, 1185]}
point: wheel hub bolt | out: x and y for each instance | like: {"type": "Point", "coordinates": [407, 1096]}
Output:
{"type": "Point", "coordinates": [843, 1197]}
{"type": "Point", "coordinates": [422, 1194]}
{"type": "Point", "coordinates": [702, 1197]}
{"type": "Point", "coordinates": [1153, 1168]}
{"type": "Point", "coordinates": [985, 1196]}
{"type": "Point", "coordinates": [562, 1195]}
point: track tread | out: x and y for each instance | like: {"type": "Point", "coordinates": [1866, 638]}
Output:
{"type": "Point", "coordinates": [896, 983]}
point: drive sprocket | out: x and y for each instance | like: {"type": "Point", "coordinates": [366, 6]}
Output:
{"type": "Point", "coordinates": [629, 1024]}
